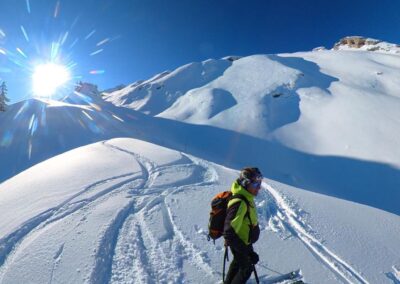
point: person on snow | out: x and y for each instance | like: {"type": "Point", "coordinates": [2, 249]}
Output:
{"type": "Point", "coordinates": [241, 228]}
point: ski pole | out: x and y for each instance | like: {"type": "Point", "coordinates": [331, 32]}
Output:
{"type": "Point", "coordinates": [264, 266]}
{"type": "Point", "coordinates": [223, 267]}
{"type": "Point", "coordinates": [255, 274]}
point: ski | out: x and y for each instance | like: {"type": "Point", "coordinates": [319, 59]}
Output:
{"type": "Point", "coordinates": [293, 277]}
{"type": "Point", "coordinates": [396, 272]}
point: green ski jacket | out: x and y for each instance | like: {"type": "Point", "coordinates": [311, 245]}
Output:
{"type": "Point", "coordinates": [239, 232]}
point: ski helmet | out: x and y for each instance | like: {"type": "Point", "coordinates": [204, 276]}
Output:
{"type": "Point", "coordinates": [249, 175]}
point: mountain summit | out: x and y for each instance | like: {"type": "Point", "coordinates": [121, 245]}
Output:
{"type": "Point", "coordinates": [366, 44]}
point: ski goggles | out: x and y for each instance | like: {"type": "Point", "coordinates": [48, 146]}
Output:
{"type": "Point", "coordinates": [259, 178]}
{"type": "Point", "coordinates": [257, 181]}
{"type": "Point", "coordinates": [256, 184]}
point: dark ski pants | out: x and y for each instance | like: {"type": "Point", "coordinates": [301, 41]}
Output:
{"type": "Point", "coordinates": [240, 269]}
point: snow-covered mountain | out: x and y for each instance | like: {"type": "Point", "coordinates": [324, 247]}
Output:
{"type": "Point", "coordinates": [335, 88]}
{"type": "Point", "coordinates": [294, 99]}
{"type": "Point", "coordinates": [327, 119]}
{"type": "Point", "coordinates": [319, 124]}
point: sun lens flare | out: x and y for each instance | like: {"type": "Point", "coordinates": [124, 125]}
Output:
{"type": "Point", "coordinates": [47, 78]}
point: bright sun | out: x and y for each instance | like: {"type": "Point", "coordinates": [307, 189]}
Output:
{"type": "Point", "coordinates": [48, 77]}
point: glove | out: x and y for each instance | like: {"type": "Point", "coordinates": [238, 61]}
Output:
{"type": "Point", "coordinates": [254, 258]}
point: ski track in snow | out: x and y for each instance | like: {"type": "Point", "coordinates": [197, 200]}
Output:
{"type": "Point", "coordinates": [285, 217]}
{"type": "Point", "coordinates": [160, 255]}
{"type": "Point", "coordinates": [8, 243]}
{"type": "Point", "coordinates": [132, 249]}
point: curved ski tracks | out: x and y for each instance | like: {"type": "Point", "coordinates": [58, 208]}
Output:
{"type": "Point", "coordinates": [298, 228]}
{"type": "Point", "coordinates": [8, 243]}
{"type": "Point", "coordinates": [130, 251]}
{"type": "Point", "coordinates": [148, 250]}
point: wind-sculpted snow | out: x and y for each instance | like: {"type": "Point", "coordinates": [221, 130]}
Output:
{"type": "Point", "coordinates": [157, 94]}
{"type": "Point", "coordinates": [250, 87]}
{"type": "Point", "coordinates": [144, 220]}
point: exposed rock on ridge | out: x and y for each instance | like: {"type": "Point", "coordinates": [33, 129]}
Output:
{"type": "Point", "coordinates": [366, 44]}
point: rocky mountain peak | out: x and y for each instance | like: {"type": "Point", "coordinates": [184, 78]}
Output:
{"type": "Point", "coordinates": [366, 44]}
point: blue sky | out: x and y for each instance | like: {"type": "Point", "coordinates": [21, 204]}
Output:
{"type": "Point", "coordinates": [145, 37]}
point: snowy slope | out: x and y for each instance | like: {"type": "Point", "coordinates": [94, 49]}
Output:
{"type": "Point", "coordinates": [335, 102]}
{"type": "Point", "coordinates": [326, 121]}
{"type": "Point", "coordinates": [66, 126]}
{"type": "Point", "coordinates": [298, 99]}
{"type": "Point", "coordinates": [160, 92]}
{"type": "Point", "coordinates": [34, 130]}
{"type": "Point", "coordinates": [126, 211]}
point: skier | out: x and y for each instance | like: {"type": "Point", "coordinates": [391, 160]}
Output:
{"type": "Point", "coordinates": [241, 228]}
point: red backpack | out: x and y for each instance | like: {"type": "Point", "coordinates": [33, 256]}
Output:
{"type": "Point", "coordinates": [219, 205]}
